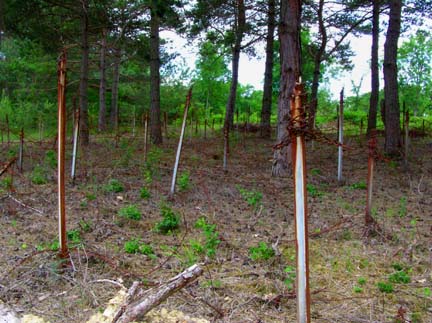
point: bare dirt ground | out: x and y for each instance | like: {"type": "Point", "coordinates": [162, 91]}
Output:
{"type": "Point", "coordinates": [383, 278]}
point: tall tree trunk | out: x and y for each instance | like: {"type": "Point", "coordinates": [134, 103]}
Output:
{"type": "Point", "coordinates": [391, 94]}
{"type": "Point", "coordinates": [289, 36]}
{"type": "Point", "coordinates": [268, 74]}
{"type": "Point", "coordinates": [318, 58]}
{"type": "Point", "coordinates": [114, 89]}
{"type": "Point", "coordinates": [102, 83]}
{"type": "Point", "coordinates": [83, 96]}
{"type": "Point", "coordinates": [241, 24]}
{"type": "Point", "coordinates": [374, 97]}
{"type": "Point", "coordinates": [155, 113]}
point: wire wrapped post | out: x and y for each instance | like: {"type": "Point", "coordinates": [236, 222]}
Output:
{"type": "Point", "coordinates": [61, 88]}
{"type": "Point", "coordinates": [297, 130]}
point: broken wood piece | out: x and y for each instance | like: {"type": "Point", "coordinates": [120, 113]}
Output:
{"type": "Point", "coordinates": [8, 164]}
{"type": "Point", "coordinates": [156, 296]}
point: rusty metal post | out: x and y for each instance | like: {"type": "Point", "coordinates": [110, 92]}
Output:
{"type": "Point", "coordinates": [145, 137]}
{"type": "Point", "coordinates": [21, 151]}
{"type": "Point", "coordinates": [340, 150]}
{"type": "Point", "coordinates": [61, 155]}
{"type": "Point", "coordinates": [179, 148]}
{"type": "Point", "coordinates": [75, 143]}
{"type": "Point", "coordinates": [300, 192]}
{"type": "Point", "coordinates": [369, 221]}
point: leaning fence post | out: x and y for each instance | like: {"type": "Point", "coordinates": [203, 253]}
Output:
{"type": "Point", "coordinates": [61, 154]}
{"type": "Point", "coordinates": [406, 134]}
{"type": "Point", "coordinates": [21, 151]}
{"type": "Point", "coordinates": [145, 136]}
{"type": "Point", "coordinates": [301, 225]}
{"type": "Point", "coordinates": [179, 148]}
{"type": "Point", "coordinates": [369, 221]}
{"type": "Point", "coordinates": [7, 130]}
{"type": "Point", "coordinates": [75, 143]}
{"type": "Point", "coordinates": [340, 150]}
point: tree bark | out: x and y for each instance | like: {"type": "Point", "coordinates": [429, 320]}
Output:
{"type": "Point", "coordinates": [318, 58]}
{"type": "Point", "coordinates": [102, 83]}
{"type": "Point", "coordinates": [289, 36]}
{"type": "Point", "coordinates": [83, 95]}
{"type": "Point", "coordinates": [114, 119]}
{"type": "Point", "coordinates": [155, 114]}
{"type": "Point", "coordinates": [268, 74]}
{"type": "Point", "coordinates": [392, 133]}
{"type": "Point", "coordinates": [374, 97]}
{"type": "Point", "coordinates": [240, 27]}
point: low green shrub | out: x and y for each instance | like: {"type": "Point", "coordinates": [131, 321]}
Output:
{"type": "Point", "coordinates": [130, 212]}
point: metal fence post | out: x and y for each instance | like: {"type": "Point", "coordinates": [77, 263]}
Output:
{"type": "Point", "coordinates": [340, 150]}
{"type": "Point", "coordinates": [61, 155]}
{"type": "Point", "coordinates": [301, 225]}
{"type": "Point", "coordinates": [179, 148]}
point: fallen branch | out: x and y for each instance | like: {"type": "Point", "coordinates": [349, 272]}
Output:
{"type": "Point", "coordinates": [153, 297]}
{"type": "Point", "coordinates": [25, 205]}
{"type": "Point", "coordinates": [8, 164]}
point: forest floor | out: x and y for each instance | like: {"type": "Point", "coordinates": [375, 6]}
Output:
{"type": "Point", "coordinates": [248, 255]}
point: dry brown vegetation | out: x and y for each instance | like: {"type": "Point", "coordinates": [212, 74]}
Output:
{"type": "Point", "coordinates": [346, 267]}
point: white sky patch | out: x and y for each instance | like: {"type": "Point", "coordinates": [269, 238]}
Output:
{"type": "Point", "coordinates": [251, 69]}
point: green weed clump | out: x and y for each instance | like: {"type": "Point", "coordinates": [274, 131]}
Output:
{"type": "Point", "coordinates": [170, 220]}
{"type": "Point", "coordinates": [384, 287]}
{"type": "Point", "coordinates": [359, 186]}
{"type": "Point", "coordinates": [51, 159]}
{"type": "Point", "coordinates": [211, 236]}
{"type": "Point", "coordinates": [290, 277]}
{"type": "Point", "coordinates": [130, 212]}
{"type": "Point", "coordinates": [145, 193]}
{"type": "Point", "coordinates": [134, 246]}
{"type": "Point", "coordinates": [253, 198]}
{"type": "Point", "coordinates": [184, 181]}
{"type": "Point", "coordinates": [399, 277]}
{"type": "Point", "coordinates": [113, 186]}
{"type": "Point", "coordinates": [313, 190]}
{"type": "Point", "coordinates": [38, 176]}
{"type": "Point", "coordinates": [261, 252]}
{"type": "Point", "coordinates": [6, 183]}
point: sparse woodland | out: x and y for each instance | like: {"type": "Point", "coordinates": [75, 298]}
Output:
{"type": "Point", "coordinates": [182, 190]}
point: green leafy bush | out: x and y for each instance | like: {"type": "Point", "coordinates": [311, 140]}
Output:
{"type": "Point", "coordinates": [261, 252]}
{"type": "Point", "coordinates": [114, 186]}
{"type": "Point", "coordinates": [130, 212]}
{"type": "Point", "coordinates": [290, 277]}
{"type": "Point", "coordinates": [170, 220]}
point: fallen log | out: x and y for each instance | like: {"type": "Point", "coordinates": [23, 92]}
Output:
{"type": "Point", "coordinates": [151, 298]}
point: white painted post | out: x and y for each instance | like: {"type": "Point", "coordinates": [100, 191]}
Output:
{"type": "Point", "coordinates": [300, 192]}
{"type": "Point", "coordinates": [179, 147]}
{"type": "Point", "coordinates": [340, 150]}
{"type": "Point", "coordinates": [75, 143]}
